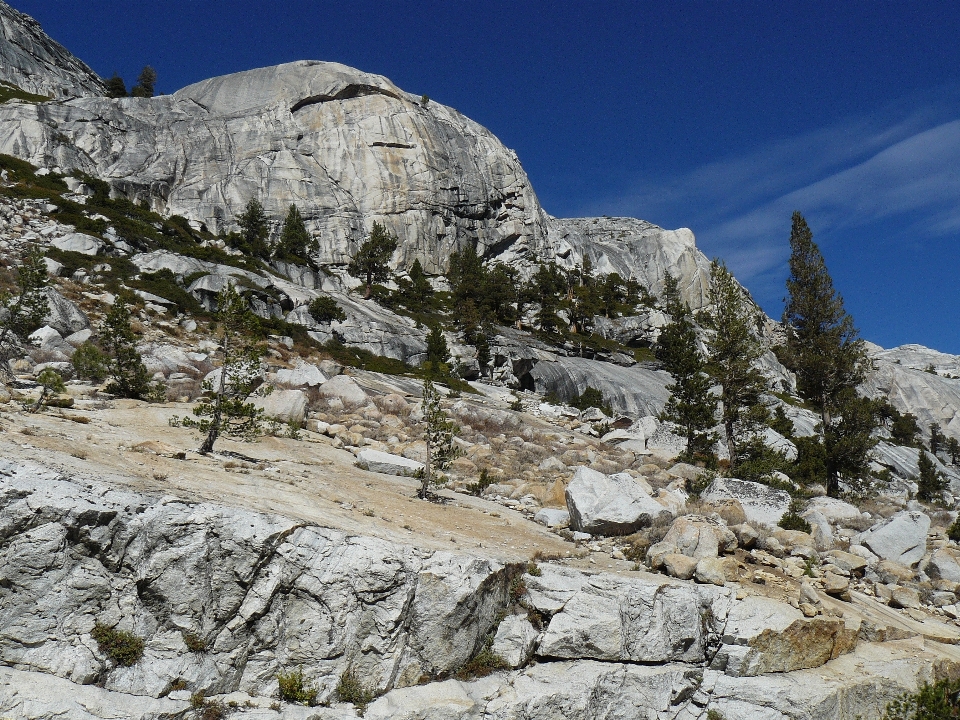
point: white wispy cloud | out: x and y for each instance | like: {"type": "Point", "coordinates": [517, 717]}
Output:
{"type": "Point", "coordinates": [900, 163]}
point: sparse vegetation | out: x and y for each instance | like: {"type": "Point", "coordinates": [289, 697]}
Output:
{"type": "Point", "coordinates": [324, 309]}
{"type": "Point", "coordinates": [123, 647]}
{"type": "Point", "coordinates": [194, 642]}
{"type": "Point", "coordinates": [295, 688]}
{"type": "Point", "coordinates": [351, 690]}
{"type": "Point", "coordinates": [939, 701]}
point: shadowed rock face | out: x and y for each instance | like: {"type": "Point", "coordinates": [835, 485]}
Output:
{"type": "Point", "coordinates": [33, 62]}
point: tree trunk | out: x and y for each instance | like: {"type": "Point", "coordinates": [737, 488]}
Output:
{"type": "Point", "coordinates": [425, 485]}
{"type": "Point", "coordinates": [214, 433]}
{"type": "Point", "coordinates": [731, 445]}
{"type": "Point", "coordinates": [369, 291]}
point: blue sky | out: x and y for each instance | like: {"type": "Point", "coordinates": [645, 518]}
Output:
{"type": "Point", "coordinates": [720, 116]}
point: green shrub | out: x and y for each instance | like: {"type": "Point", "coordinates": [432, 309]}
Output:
{"type": "Point", "coordinates": [591, 397]}
{"type": "Point", "coordinates": [482, 483]}
{"type": "Point", "coordinates": [351, 690]}
{"type": "Point", "coordinates": [89, 362]}
{"type": "Point", "coordinates": [294, 688]}
{"type": "Point", "coordinates": [940, 701]}
{"type": "Point", "coordinates": [792, 521]}
{"type": "Point", "coordinates": [123, 647]}
{"type": "Point", "coordinates": [953, 532]}
{"type": "Point", "coordinates": [324, 309]}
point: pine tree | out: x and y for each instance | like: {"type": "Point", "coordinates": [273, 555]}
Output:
{"type": "Point", "coordinates": [226, 408]}
{"type": "Point", "coordinates": [129, 377]}
{"type": "Point", "coordinates": [824, 350]}
{"type": "Point", "coordinates": [733, 351]}
{"type": "Point", "coordinates": [953, 447]}
{"type": "Point", "coordinates": [439, 432]}
{"type": "Point", "coordinates": [21, 315]}
{"type": "Point", "coordinates": [146, 83]}
{"type": "Point", "coordinates": [691, 406]}
{"type": "Point", "coordinates": [296, 244]}
{"type": "Point", "coordinates": [936, 438]}
{"type": "Point", "coordinates": [254, 230]}
{"type": "Point", "coordinates": [437, 349]}
{"type": "Point", "coordinates": [370, 263]}
{"type": "Point", "coordinates": [115, 86]}
{"type": "Point", "coordinates": [931, 481]}
{"type": "Point", "coordinates": [50, 384]}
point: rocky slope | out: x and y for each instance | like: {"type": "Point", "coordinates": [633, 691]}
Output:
{"type": "Point", "coordinates": [32, 61]}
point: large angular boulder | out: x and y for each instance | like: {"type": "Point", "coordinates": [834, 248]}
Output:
{"type": "Point", "coordinates": [381, 462]}
{"type": "Point", "coordinates": [902, 538]}
{"type": "Point", "coordinates": [63, 315]}
{"type": "Point", "coordinates": [763, 635]}
{"type": "Point", "coordinates": [288, 406]}
{"type": "Point", "coordinates": [515, 640]}
{"type": "Point", "coordinates": [620, 619]}
{"type": "Point", "coordinates": [761, 503]}
{"type": "Point", "coordinates": [78, 243]}
{"type": "Point", "coordinates": [344, 388]}
{"type": "Point", "coordinates": [943, 565]}
{"type": "Point", "coordinates": [834, 510]}
{"type": "Point", "coordinates": [303, 375]}
{"type": "Point", "coordinates": [698, 536]}
{"type": "Point", "coordinates": [609, 504]}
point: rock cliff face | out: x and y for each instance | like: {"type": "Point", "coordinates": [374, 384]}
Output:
{"type": "Point", "coordinates": [33, 62]}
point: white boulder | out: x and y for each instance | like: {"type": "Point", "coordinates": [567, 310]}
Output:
{"type": "Point", "coordinates": [552, 517]}
{"type": "Point", "coordinates": [284, 405]}
{"type": "Point", "coordinates": [78, 243]}
{"type": "Point", "coordinates": [902, 538]}
{"type": "Point", "coordinates": [515, 640]}
{"type": "Point", "coordinates": [609, 504]}
{"type": "Point", "coordinates": [381, 462]}
{"type": "Point", "coordinates": [761, 503]}
{"type": "Point", "coordinates": [344, 388]}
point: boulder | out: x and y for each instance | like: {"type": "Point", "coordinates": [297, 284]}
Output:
{"type": "Point", "coordinates": [835, 584]}
{"type": "Point", "coordinates": [902, 538]}
{"type": "Point", "coordinates": [625, 619]}
{"type": "Point", "coordinates": [64, 316]}
{"type": "Point", "coordinates": [288, 406]}
{"type": "Point", "coordinates": [609, 504]}
{"type": "Point", "coordinates": [78, 243]}
{"type": "Point", "coordinates": [49, 340]}
{"type": "Point", "coordinates": [711, 570]}
{"type": "Point", "coordinates": [904, 597]}
{"type": "Point", "coordinates": [848, 562]}
{"type": "Point", "coordinates": [747, 535]}
{"type": "Point", "coordinates": [834, 510]}
{"type": "Point", "coordinates": [79, 338]}
{"type": "Point", "coordinates": [303, 375]}
{"type": "Point", "coordinates": [345, 389]}
{"type": "Point", "coordinates": [763, 635]}
{"type": "Point", "coordinates": [679, 566]}
{"type": "Point", "coordinates": [943, 565]}
{"type": "Point", "coordinates": [381, 462]}
{"type": "Point", "coordinates": [761, 504]}
{"type": "Point", "coordinates": [515, 640]}
{"type": "Point", "coordinates": [552, 517]}
{"type": "Point", "coordinates": [731, 511]}
{"type": "Point", "coordinates": [552, 464]}
{"type": "Point", "coordinates": [697, 536]}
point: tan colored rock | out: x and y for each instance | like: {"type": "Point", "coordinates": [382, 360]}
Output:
{"type": "Point", "coordinates": [890, 571]}
{"type": "Point", "coordinates": [763, 635]}
{"type": "Point", "coordinates": [836, 585]}
{"type": "Point", "coordinates": [555, 495]}
{"type": "Point", "coordinates": [711, 570]}
{"type": "Point", "coordinates": [679, 566]}
{"type": "Point", "coordinates": [904, 597]}
{"type": "Point", "coordinates": [727, 508]}
{"type": "Point", "coordinates": [699, 536]}
{"type": "Point", "coordinates": [746, 535]}
{"type": "Point", "coordinates": [847, 561]}
{"type": "Point", "coordinates": [809, 610]}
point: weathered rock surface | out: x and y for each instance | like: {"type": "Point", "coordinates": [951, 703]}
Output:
{"type": "Point", "coordinates": [761, 503]}
{"type": "Point", "coordinates": [614, 618]}
{"type": "Point", "coordinates": [264, 592]}
{"type": "Point", "coordinates": [515, 640]}
{"type": "Point", "coordinates": [609, 504]}
{"type": "Point", "coordinates": [34, 62]}
{"type": "Point", "coordinates": [763, 636]}
{"type": "Point", "coordinates": [901, 539]}
{"type": "Point", "coordinates": [289, 406]}
{"type": "Point", "coordinates": [388, 464]}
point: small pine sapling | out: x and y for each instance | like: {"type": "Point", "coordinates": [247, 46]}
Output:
{"type": "Point", "coordinates": [439, 433]}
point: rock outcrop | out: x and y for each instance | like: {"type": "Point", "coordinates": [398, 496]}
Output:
{"type": "Point", "coordinates": [32, 61]}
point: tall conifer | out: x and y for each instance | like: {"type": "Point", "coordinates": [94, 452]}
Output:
{"type": "Point", "coordinates": [824, 350]}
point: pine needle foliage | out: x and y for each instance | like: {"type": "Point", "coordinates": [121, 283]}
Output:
{"type": "Point", "coordinates": [129, 377]}
{"type": "Point", "coordinates": [439, 431]}
{"type": "Point", "coordinates": [692, 406]}
{"type": "Point", "coordinates": [823, 348]}
{"type": "Point", "coordinates": [225, 408]}
{"type": "Point", "coordinates": [734, 350]}
{"type": "Point", "coordinates": [20, 315]}
{"type": "Point", "coordinates": [371, 261]}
